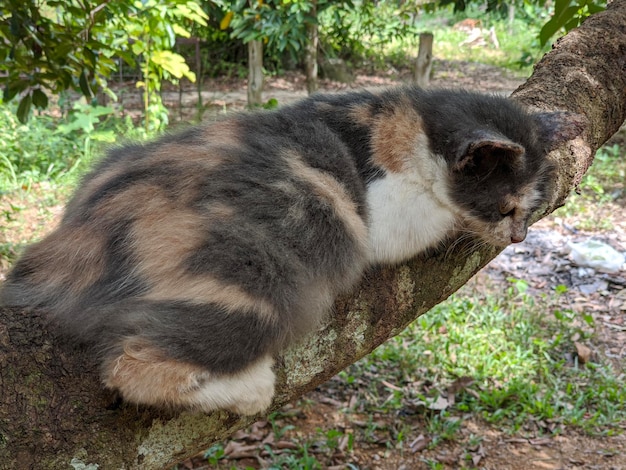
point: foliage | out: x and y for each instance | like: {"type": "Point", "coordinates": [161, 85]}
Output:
{"type": "Point", "coordinates": [54, 150]}
{"type": "Point", "coordinates": [51, 47]}
{"type": "Point", "coordinates": [151, 28]}
{"type": "Point", "coordinates": [350, 31]}
{"type": "Point", "coordinates": [34, 152]}
{"type": "Point", "coordinates": [55, 45]}
{"type": "Point", "coordinates": [59, 45]}
{"type": "Point", "coordinates": [567, 15]}
{"type": "Point", "coordinates": [280, 25]}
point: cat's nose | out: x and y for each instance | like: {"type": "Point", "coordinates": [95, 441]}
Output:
{"type": "Point", "coordinates": [517, 238]}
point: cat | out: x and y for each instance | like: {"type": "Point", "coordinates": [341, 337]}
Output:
{"type": "Point", "coordinates": [187, 263]}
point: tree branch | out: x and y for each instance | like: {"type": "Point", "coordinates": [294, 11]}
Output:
{"type": "Point", "coordinates": [53, 408]}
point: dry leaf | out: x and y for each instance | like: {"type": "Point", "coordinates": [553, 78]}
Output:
{"type": "Point", "coordinates": [583, 352]}
{"type": "Point", "coordinates": [419, 443]}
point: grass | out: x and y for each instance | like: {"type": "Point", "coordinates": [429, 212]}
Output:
{"type": "Point", "coordinates": [515, 350]}
{"type": "Point", "coordinates": [518, 44]}
{"type": "Point", "coordinates": [599, 189]}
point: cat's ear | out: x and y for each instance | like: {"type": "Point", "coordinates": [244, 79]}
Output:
{"type": "Point", "coordinates": [485, 150]}
{"type": "Point", "coordinates": [559, 127]}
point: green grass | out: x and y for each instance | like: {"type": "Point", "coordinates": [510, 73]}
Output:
{"type": "Point", "coordinates": [34, 152]}
{"type": "Point", "coordinates": [518, 49]}
{"type": "Point", "coordinates": [600, 188]}
{"type": "Point", "coordinates": [515, 350]}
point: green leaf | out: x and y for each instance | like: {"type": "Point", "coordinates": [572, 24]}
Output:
{"type": "Point", "coordinates": [172, 63]}
{"type": "Point", "coordinates": [40, 99]}
{"type": "Point", "coordinates": [564, 12]}
{"type": "Point", "coordinates": [180, 31]}
{"type": "Point", "coordinates": [12, 89]}
{"type": "Point", "coordinates": [23, 109]}
{"type": "Point", "coordinates": [83, 82]}
{"type": "Point", "coordinates": [104, 136]}
{"type": "Point", "coordinates": [595, 7]}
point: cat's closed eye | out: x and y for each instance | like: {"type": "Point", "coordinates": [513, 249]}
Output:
{"type": "Point", "coordinates": [506, 208]}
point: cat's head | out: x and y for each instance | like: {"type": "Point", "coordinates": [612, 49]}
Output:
{"type": "Point", "coordinates": [500, 173]}
{"type": "Point", "coordinates": [498, 184]}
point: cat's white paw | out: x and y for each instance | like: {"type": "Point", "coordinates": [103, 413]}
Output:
{"type": "Point", "coordinates": [247, 392]}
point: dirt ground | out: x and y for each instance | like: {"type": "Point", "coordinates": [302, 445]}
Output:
{"type": "Point", "coordinates": [321, 411]}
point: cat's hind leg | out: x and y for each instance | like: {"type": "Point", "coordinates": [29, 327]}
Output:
{"type": "Point", "coordinates": [247, 392]}
{"type": "Point", "coordinates": [143, 374]}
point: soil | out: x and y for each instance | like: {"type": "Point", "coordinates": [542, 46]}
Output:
{"type": "Point", "coordinates": [543, 258]}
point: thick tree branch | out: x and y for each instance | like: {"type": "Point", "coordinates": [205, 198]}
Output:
{"type": "Point", "coordinates": [53, 409]}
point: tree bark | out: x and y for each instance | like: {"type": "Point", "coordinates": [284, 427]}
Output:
{"type": "Point", "coordinates": [53, 410]}
{"type": "Point", "coordinates": [310, 53]}
{"type": "Point", "coordinates": [424, 61]}
{"type": "Point", "coordinates": [255, 73]}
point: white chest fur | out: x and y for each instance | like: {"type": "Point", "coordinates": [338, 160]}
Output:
{"type": "Point", "coordinates": [409, 211]}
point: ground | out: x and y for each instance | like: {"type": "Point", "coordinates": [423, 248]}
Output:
{"type": "Point", "coordinates": [327, 420]}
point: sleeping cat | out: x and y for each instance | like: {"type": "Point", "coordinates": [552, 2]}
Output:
{"type": "Point", "coordinates": [188, 263]}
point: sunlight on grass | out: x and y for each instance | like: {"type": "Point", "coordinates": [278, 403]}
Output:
{"type": "Point", "coordinates": [601, 186]}
{"type": "Point", "coordinates": [513, 353]}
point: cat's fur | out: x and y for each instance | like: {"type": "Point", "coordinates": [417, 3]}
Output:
{"type": "Point", "coordinates": [189, 262]}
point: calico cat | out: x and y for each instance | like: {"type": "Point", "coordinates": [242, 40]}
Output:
{"type": "Point", "coordinates": [188, 263]}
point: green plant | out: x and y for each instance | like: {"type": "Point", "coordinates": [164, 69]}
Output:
{"type": "Point", "coordinates": [214, 454]}
{"type": "Point", "coordinates": [568, 14]}
{"type": "Point", "coordinates": [34, 152]}
{"type": "Point", "coordinates": [56, 45]}
{"type": "Point", "coordinates": [503, 356]}
{"type": "Point", "coordinates": [442, 427]}
{"type": "Point", "coordinates": [296, 460]}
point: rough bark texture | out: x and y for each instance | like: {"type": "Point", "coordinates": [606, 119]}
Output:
{"type": "Point", "coordinates": [310, 52]}
{"type": "Point", "coordinates": [424, 61]}
{"type": "Point", "coordinates": [255, 73]}
{"type": "Point", "coordinates": [53, 410]}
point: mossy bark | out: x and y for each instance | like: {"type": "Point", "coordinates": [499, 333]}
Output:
{"type": "Point", "coordinates": [53, 410]}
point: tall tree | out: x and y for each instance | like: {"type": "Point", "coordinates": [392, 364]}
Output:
{"type": "Point", "coordinates": [310, 50]}
{"type": "Point", "coordinates": [53, 410]}
{"type": "Point", "coordinates": [255, 73]}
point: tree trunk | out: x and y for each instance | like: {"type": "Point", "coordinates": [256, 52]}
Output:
{"type": "Point", "coordinates": [310, 57]}
{"type": "Point", "coordinates": [53, 410]}
{"type": "Point", "coordinates": [424, 62]}
{"type": "Point", "coordinates": [255, 73]}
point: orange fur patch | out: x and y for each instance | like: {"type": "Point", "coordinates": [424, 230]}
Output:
{"type": "Point", "coordinates": [143, 374]}
{"type": "Point", "coordinates": [395, 137]}
{"type": "Point", "coordinates": [362, 115]}
{"type": "Point", "coordinates": [71, 256]}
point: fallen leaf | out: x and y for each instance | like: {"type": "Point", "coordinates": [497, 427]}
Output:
{"type": "Point", "coordinates": [583, 352]}
{"type": "Point", "coordinates": [419, 443]}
